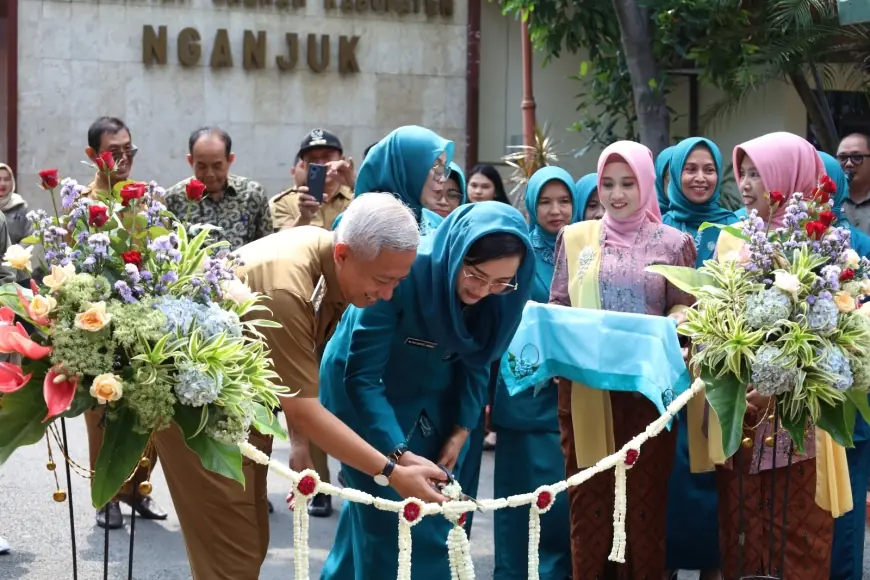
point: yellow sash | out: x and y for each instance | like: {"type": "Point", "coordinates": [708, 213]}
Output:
{"type": "Point", "coordinates": [833, 490]}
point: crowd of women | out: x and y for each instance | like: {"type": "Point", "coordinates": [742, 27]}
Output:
{"type": "Point", "coordinates": [413, 373]}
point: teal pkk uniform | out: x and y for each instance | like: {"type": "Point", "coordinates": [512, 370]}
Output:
{"type": "Point", "coordinates": [584, 188]}
{"type": "Point", "coordinates": [662, 163]}
{"type": "Point", "coordinates": [740, 212]}
{"type": "Point", "coordinates": [528, 454]}
{"type": "Point", "coordinates": [847, 557]}
{"type": "Point", "coordinates": [693, 498]}
{"type": "Point", "coordinates": [408, 371]}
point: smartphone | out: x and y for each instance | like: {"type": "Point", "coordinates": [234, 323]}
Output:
{"type": "Point", "coordinates": [316, 181]}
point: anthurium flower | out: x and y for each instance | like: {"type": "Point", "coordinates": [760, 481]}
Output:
{"type": "Point", "coordinates": [12, 378]}
{"type": "Point", "coordinates": [14, 338]}
{"type": "Point", "coordinates": [59, 390]}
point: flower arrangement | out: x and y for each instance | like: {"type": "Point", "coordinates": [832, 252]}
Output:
{"type": "Point", "coordinates": [783, 314]}
{"type": "Point", "coordinates": [140, 314]}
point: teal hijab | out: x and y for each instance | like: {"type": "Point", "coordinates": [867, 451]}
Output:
{"type": "Point", "coordinates": [859, 241]}
{"type": "Point", "coordinates": [400, 164]}
{"type": "Point", "coordinates": [584, 187]}
{"type": "Point", "coordinates": [457, 174]}
{"type": "Point", "coordinates": [481, 333]}
{"type": "Point", "coordinates": [662, 163]}
{"type": "Point", "coordinates": [688, 216]}
{"type": "Point", "coordinates": [543, 242]}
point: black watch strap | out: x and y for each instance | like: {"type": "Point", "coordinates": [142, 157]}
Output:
{"type": "Point", "coordinates": [383, 478]}
{"type": "Point", "coordinates": [398, 452]}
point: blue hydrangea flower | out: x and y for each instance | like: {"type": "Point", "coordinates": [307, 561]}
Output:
{"type": "Point", "coordinates": [180, 313]}
{"type": "Point", "coordinates": [767, 308]}
{"type": "Point", "coordinates": [772, 373]}
{"type": "Point", "coordinates": [194, 387]}
{"type": "Point", "coordinates": [214, 320]}
{"type": "Point", "coordinates": [823, 315]}
{"type": "Point", "coordinates": [832, 360]}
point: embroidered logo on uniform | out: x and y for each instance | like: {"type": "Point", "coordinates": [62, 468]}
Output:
{"type": "Point", "coordinates": [587, 255]}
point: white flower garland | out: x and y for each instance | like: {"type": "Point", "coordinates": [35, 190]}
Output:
{"type": "Point", "coordinates": [458, 547]}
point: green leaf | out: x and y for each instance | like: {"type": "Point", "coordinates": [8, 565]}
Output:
{"type": "Point", "coordinates": [833, 420]}
{"type": "Point", "coordinates": [218, 457]}
{"type": "Point", "coordinates": [736, 232]}
{"type": "Point", "coordinates": [584, 68]}
{"type": "Point", "coordinates": [157, 231]}
{"type": "Point", "coordinates": [267, 423]}
{"type": "Point", "coordinates": [653, 84]}
{"type": "Point", "coordinates": [796, 426]}
{"type": "Point", "coordinates": [21, 415]}
{"type": "Point", "coordinates": [686, 279]}
{"type": "Point", "coordinates": [119, 456]}
{"type": "Point", "coordinates": [30, 240]}
{"type": "Point", "coordinates": [727, 396]}
{"type": "Point", "coordinates": [862, 405]}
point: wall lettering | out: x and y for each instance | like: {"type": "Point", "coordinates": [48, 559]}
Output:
{"type": "Point", "coordinates": [431, 8]}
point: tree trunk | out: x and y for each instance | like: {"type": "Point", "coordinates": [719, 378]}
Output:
{"type": "Point", "coordinates": [820, 119]}
{"type": "Point", "coordinates": [652, 111]}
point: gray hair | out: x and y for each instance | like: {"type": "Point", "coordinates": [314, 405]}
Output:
{"type": "Point", "coordinates": [378, 221]}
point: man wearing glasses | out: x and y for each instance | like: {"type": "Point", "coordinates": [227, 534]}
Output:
{"type": "Point", "coordinates": [852, 154]}
{"type": "Point", "coordinates": [111, 134]}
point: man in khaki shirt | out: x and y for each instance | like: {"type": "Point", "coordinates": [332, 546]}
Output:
{"type": "Point", "coordinates": [310, 276]}
{"type": "Point", "coordinates": [295, 207]}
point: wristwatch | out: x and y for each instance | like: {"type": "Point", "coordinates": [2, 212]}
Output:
{"type": "Point", "coordinates": [383, 478]}
{"type": "Point", "coordinates": [398, 452]}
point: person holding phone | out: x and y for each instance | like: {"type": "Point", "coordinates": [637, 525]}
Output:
{"type": "Point", "coordinates": [324, 184]}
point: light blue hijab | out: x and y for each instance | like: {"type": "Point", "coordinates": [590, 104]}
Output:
{"type": "Point", "coordinates": [585, 187]}
{"type": "Point", "coordinates": [859, 241]}
{"type": "Point", "coordinates": [481, 333]}
{"type": "Point", "coordinates": [457, 174]}
{"type": "Point", "coordinates": [400, 164]}
{"type": "Point", "coordinates": [662, 163]}
{"type": "Point", "coordinates": [543, 242]}
{"type": "Point", "coordinates": [688, 216]}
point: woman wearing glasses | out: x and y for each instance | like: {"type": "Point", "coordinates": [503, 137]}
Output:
{"type": "Point", "coordinates": [601, 265]}
{"type": "Point", "coordinates": [411, 374]}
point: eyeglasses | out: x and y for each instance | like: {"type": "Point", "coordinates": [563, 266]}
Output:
{"type": "Point", "coordinates": [856, 158]}
{"type": "Point", "coordinates": [451, 196]}
{"type": "Point", "coordinates": [129, 152]}
{"type": "Point", "coordinates": [440, 171]}
{"type": "Point", "coordinates": [494, 287]}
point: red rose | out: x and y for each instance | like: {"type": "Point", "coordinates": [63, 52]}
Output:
{"type": "Point", "coordinates": [49, 178]}
{"type": "Point", "coordinates": [131, 192]}
{"type": "Point", "coordinates": [821, 196]}
{"type": "Point", "coordinates": [827, 185]}
{"type": "Point", "coordinates": [98, 215]}
{"type": "Point", "coordinates": [307, 485]}
{"type": "Point", "coordinates": [194, 190]}
{"type": "Point", "coordinates": [777, 198]}
{"type": "Point", "coordinates": [847, 274]}
{"type": "Point", "coordinates": [827, 217]}
{"type": "Point", "coordinates": [815, 230]}
{"type": "Point", "coordinates": [132, 257]}
{"type": "Point", "coordinates": [106, 162]}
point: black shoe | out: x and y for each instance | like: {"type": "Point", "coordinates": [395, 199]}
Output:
{"type": "Point", "coordinates": [146, 507]}
{"type": "Point", "coordinates": [109, 516]}
{"type": "Point", "coordinates": [320, 506]}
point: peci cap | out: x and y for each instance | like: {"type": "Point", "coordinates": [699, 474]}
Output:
{"type": "Point", "coordinates": [319, 138]}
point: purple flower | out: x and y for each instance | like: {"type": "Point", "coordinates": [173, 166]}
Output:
{"type": "Point", "coordinates": [124, 290]}
{"type": "Point", "coordinates": [132, 273]}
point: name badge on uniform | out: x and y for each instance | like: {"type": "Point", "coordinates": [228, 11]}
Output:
{"type": "Point", "coordinates": [410, 341]}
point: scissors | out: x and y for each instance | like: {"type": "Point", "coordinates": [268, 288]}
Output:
{"type": "Point", "coordinates": [450, 479]}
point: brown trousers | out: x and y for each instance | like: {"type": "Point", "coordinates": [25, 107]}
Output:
{"type": "Point", "coordinates": [93, 420]}
{"type": "Point", "coordinates": [225, 525]}
{"type": "Point", "coordinates": [592, 503]}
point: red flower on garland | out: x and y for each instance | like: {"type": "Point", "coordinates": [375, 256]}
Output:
{"type": "Point", "coordinates": [462, 519]}
{"type": "Point", "coordinates": [777, 198]}
{"type": "Point", "coordinates": [131, 192]}
{"type": "Point", "coordinates": [631, 456]}
{"type": "Point", "coordinates": [544, 499]}
{"type": "Point", "coordinates": [815, 230]}
{"type": "Point", "coordinates": [411, 512]}
{"type": "Point", "coordinates": [827, 217]}
{"type": "Point", "coordinates": [847, 274]}
{"type": "Point", "coordinates": [49, 178]}
{"type": "Point", "coordinates": [105, 162]}
{"type": "Point", "coordinates": [132, 257]}
{"type": "Point", "coordinates": [306, 485]}
{"type": "Point", "coordinates": [98, 215]}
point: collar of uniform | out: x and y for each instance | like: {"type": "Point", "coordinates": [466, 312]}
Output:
{"type": "Point", "coordinates": [327, 269]}
{"type": "Point", "coordinates": [345, 192]}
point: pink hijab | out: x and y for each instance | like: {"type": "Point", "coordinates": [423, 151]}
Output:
{"type": "Point", "coordinates": [786, 163]}
{"type": "Point", "coordinates": [623, 232]}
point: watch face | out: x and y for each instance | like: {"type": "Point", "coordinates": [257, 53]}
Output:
{"type": "Point", "coordinates": [382, 480]}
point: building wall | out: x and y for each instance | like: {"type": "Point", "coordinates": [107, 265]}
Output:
{"type": "Point", "coordinates": [79, 59]}
{"type": "Point", "coordinates": [774, 108]}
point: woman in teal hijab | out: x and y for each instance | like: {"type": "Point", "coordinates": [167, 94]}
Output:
{"type": "Point", "coordinates": [847, 557]}
{"type": "Point", "coordinates": [663, 162]}
{"type": "Point", "coordinates": [528, 453]}
{"type": "Point", "coordinates": [438, 202]}
{"type": "Point", "coordinates": [695, 172]}
{"type": "Point", "coordinates": [588, 202]}
{"type": "Point", "coordinates": [410, 374]}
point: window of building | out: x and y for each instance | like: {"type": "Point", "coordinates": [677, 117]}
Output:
{"type": "Point", "coordinates": [851, 112]}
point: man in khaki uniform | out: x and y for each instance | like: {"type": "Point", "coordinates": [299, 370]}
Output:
{"type": "Point", "coordinates": [294, 207]}
{"type": "Point", "coordinates": [310, 276]}
{"type": "Point", "coordinates": [111, 134]}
